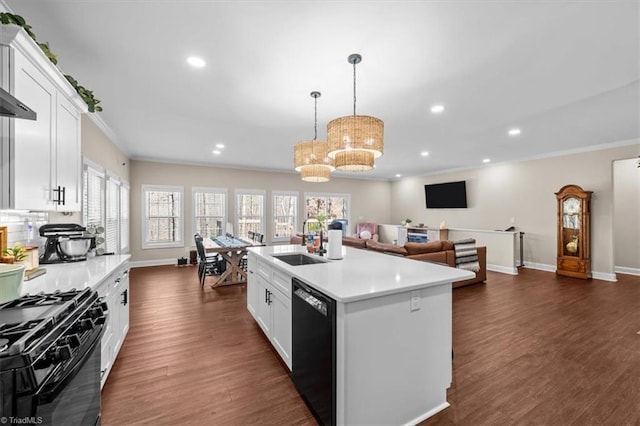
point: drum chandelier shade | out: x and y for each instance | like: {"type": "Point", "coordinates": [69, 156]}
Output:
{"type": "Point", "coordinates": [310, 158]}
{"type": "Point", "coordinates": [354, 161]}
{"type": "Point", "coordinates": [317, 174]}
{"type": "Point", "coordinates": [356, 140]}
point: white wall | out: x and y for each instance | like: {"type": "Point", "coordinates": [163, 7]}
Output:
{"type": "Point", "coordinates": [626, 216]}
{"type": "Point", "coordinates": [369, 198]}
{"type": "Point", "coordinates": [525, 191]}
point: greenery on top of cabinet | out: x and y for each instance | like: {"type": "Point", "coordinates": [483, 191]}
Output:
{"type": "Point", "coordinates": [85, 94]}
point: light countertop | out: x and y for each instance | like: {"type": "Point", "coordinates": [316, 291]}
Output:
{"type": "Point", "coordinates": [78, 275]}
{"type": "Point", "coordinates": [363, 274]}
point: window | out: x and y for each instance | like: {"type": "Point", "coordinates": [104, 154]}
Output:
{"type": "Point", "coordinates": [112, 228]}
{"type": "Point", "coordinates": [162, 216]}
{"type": "Point", "coordinates": [285, 214]}
{"type": "Point", "coordinates": [124, 218]}
{"type": "Point", "coordinates": [333, 206]}
{"type": "Point", "coordinates": [249, 212]}
{"type": "Point", "coordinates": [209, 211]}
{"type": "Point", "coordinates": [92, 195]}
{"type": "Point", "coordinates": [105, 202]}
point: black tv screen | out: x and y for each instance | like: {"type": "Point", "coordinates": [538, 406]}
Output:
{"type": "Point", "coordinates": [448, 195]}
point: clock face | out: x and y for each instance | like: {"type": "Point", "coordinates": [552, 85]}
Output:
{"type": "Point", "coordinates": [571, 206]}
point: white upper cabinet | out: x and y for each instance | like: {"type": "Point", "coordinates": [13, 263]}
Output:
{"type": "Point", "coordinates": [68, 163]}
{"type": "Point", "coordinates": [43, 155]}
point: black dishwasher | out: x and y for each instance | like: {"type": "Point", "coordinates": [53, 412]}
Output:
{"type": "Point", "coordinates": [314, 350]}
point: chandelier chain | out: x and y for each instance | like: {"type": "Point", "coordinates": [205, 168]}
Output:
{"type": "Point", "coordinates": [315, 118]}
{"type": "Point", "coordinates": [354, 87]}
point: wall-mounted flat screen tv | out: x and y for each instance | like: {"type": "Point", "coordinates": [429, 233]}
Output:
{"type": "Point", "coordinates": [447, 195]}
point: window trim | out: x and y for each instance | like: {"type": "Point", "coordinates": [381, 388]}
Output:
{"type": "Point", "coordinates": [144, 217]}
{"type": "Point", "coordinates": [115, 179]}
{"type": "Point", "coordinates": [211, 190]}
{"type": "Point", "coordinates": [98, 170]}
{"type": "Point", "coordinates": [296, 220]}
{"type": "Point", "coordinates": [127, 248]}
{"type": "Point", "coordinates": [236, 216]}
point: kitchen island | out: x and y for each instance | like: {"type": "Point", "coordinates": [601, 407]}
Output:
{"type": "Point", "coordinates": [393, 328]}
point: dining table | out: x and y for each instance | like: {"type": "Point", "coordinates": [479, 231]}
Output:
{"type": "Point", "coordinates": [233, 250]}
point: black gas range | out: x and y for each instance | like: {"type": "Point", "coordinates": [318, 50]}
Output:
{"type": "Point", "coordinates": [50, 358]}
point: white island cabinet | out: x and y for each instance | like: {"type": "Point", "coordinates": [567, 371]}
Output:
{"type": "Point", "coordinates": [393, 331]}
{"type": "Point", "coordinates": [109, 276]}
{"type": "Point", "coordinates": [269, 301]}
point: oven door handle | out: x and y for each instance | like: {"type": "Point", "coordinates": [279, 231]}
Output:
{"type": "Point", "coordinates": [48, 395]}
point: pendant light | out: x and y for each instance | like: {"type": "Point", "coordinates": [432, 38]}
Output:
{"type": "Point", "coordinates": [310, 157]}
{"type": "Point", "coordinates": [355, 141]}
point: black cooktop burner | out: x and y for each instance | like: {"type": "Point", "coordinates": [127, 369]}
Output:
{"type": "Point", "coordinates": [41, 299]}
{"type": "Point", "coordinates": [27, 320]}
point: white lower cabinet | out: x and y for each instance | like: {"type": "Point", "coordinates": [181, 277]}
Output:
{"type": "Point", "coordinates": [269, 301]}
{"type": "Point", "coordinates": [281, 325]}
{"type": "Point", "coordinates": [115, 291]}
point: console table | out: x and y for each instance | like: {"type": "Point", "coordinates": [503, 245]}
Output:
{"type": "Point", "coordinates": [433, 234]}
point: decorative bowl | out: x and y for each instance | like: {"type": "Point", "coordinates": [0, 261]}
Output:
{"type": "Point", "coordinates": [10, 281]}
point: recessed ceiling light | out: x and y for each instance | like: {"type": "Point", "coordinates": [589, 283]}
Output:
{"type": "Point", "coordinates": [437, 109]}
{"type": "Point", "coordinates": [425, 153]}
{"type": "Point", "coordinates": [514, 132]}
{"type": "Point", "coordinates": [196, 62]}
{"type": "Point", "coordinates": [216, 152]}
{"type": "Point", "coordinates": [219, 145]}
{"type": "Point", "coordinates": [486, 160]}
{"type": "Point", "coordinates": [398, 175]}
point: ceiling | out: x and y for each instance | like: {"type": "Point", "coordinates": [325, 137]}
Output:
{"type": "Point", "coordinates": [565, 73]}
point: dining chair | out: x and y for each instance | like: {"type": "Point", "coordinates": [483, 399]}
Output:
{"type": "Point", "coordinates": [208, 265]}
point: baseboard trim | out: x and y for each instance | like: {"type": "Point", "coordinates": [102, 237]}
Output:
{"type": "Point", "coordinates": [604, 276]}
{"type": "Point", "coordinates": [540, 266]}
{"type": "Point", "coordinates": [502, 269]}
{"type": "Point", "coordinates": [626, 270]}
{"type": "Point", "coordinates": [154, 262]}
{"type": "Point", "coordinates": [428, 414]}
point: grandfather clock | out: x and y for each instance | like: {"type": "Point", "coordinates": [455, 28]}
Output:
{"type": "Point", "coordinates": [574, 251]}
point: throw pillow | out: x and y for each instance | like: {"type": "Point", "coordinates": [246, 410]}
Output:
{"type": "Point", "coordinates": [365, 235]}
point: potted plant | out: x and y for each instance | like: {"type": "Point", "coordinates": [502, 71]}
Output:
{"type": "Point", "coordinates": [17, 253]}
{"type": "Point", "coordinates": [406, 222]}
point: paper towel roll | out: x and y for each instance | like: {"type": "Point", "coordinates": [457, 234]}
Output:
{"type": "Point", "coordinates": [334, 251]}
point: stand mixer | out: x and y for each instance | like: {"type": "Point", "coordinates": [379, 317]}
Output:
{"type": "Point", "coordinates": [66, 242]}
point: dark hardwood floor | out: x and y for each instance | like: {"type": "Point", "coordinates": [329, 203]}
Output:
{"type": "Point", "coordinates": [529, 349]}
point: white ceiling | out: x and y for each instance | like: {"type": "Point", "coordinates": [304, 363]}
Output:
{"type": "Point", "coordinates": [566, 73]}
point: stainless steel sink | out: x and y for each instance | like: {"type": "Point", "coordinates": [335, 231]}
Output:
{"type": "Point", "coordinates": [297, 259]}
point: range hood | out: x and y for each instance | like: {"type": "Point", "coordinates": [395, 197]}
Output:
{"type": "Point", "coordinates": [11, 107]}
